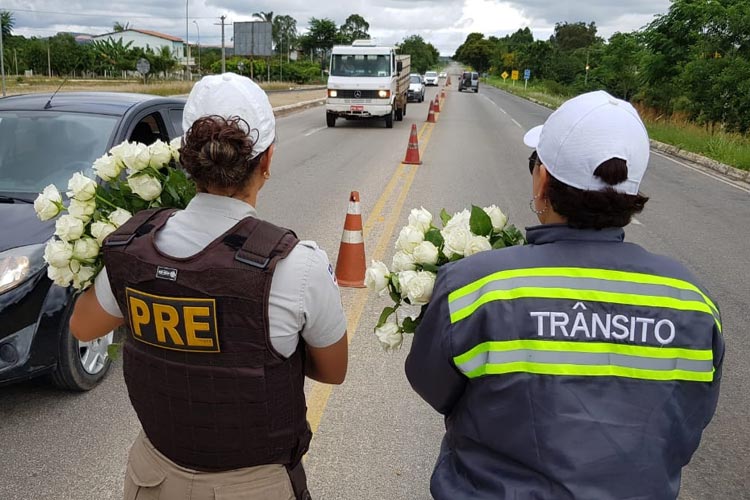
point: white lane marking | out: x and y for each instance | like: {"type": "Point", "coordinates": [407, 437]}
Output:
{"type": "Point", "coordinates": [636, 221]}
{"type": "Point", "coordinates": [518, 124]}
{"type": "Point", "coordinates": [315, 131]}
{"type": "Point", "coordinates": [707, 174]}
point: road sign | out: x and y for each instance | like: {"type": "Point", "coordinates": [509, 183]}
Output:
{"type": "Point", "coordinates": [505, 75]}
{"type": "Point", "coordinates": [143, 66]}
{"type": "Point", "coordinates": [514, 75]}
{"type": "Point", "coordinates": [526, 74]}
{"type": "Point", "coordinates": [253, 39]}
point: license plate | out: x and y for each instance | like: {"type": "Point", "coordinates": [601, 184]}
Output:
{"type": "Point", "coordinates": [357, 108]}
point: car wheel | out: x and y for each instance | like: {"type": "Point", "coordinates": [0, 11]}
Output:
{"type": "Point", "coordinates": [330, 119]}
{"type": "Point", "coordinates": [82, 365]}
{"type": "Point", "coordinates": [389, 120]}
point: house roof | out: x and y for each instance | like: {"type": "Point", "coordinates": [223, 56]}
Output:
{"type": "Point", "coordinates": [145, 32]}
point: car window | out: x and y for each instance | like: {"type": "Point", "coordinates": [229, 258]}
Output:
{"type": "Point", "coordinates": [360, 65]}
{"type": "Point", "coordinates": [38, 148]}
{"type": "Point", "coordinates": [416, 79]}
{"type": "Point", "coordinates": [175, 116]}
{"type": "Point", "coordinates": [149, 129]}
{"type": "Point", "coordinates": [430, 74]}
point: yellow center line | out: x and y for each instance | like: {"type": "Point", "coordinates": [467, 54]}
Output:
{"type": "Point", "coordinates": [320, 393]}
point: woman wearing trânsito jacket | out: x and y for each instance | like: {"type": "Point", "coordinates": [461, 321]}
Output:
{"type": "Point", "coordinates": [227, 315]}
{"type": "Point", "coordinates": [578, 366]}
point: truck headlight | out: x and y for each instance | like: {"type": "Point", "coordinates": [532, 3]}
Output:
{"type": "Point", "coordinates": [332, 93]}
{"type": "Point", "coordinates": [17, 264]}
{"type": "Point", "coordinates": [384, 94]}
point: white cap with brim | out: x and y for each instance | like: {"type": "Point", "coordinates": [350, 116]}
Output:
{"type": "Point", "coordinates": [229, 95]}
{"type": "Point", "coordinates": [585, 132]}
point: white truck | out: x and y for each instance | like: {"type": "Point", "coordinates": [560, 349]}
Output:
{"type": "Point", "coordinates": [367, 81]}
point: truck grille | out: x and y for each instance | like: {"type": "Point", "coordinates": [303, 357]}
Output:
{"type": "Point", "coordinates": [357, 94]}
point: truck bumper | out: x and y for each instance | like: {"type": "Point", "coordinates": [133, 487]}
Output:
{"type": "Point", "coordinates": [358, 110]}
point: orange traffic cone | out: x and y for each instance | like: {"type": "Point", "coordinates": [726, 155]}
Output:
{"type": "Point", "coordinates": [437, 104]}
{"type": "Point", "coordinates": [448, 81]}
{"type": "Point", "coordinates": [442, 94]}
{"type": "Point", "coordinates": [431, 114]}
{"type": "Point", "coordinates": [412, 150]}
{"type": "Point", "coordinates": [350, 265]}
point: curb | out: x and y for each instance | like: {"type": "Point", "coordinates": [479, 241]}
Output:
{"type": "Point", "coordinates": [728, 171]}
{"type": "Point", "coordinates": [291, 108]}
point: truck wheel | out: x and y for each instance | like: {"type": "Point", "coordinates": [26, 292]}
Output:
{"type": "Point", "coordinates": [330, 119]}
{"type": "Point", "coordinates": [399, 114]}
{"type": "Point", "coordinates": [389, 120]}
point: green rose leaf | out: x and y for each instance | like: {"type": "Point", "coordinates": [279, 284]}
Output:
{"type": "Point", "coordinates": [385, 315]}
{"type": "Point", "coordinates": [445, 217]}
{"type": "Point", "coordinates": [430, 267]}
{"type": "Point", "coordinates": [480, 223]}
{"type": "Point", "coordinates": [500, 243]}
{"type": "Point", "coordinates": [434, 237]}
{"type": "Point", "coordinates": [410, 325]}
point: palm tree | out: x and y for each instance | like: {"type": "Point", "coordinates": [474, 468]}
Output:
{"type": "Point", "coordinates": [119, 27]}
{"type": "Point", "coordinates": [8, 22]}
{"type": "Point", "coordinates": [264, 16]}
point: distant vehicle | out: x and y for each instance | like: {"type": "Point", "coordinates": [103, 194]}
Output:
{"type": "Point", "coordinates": [416, 88]}
{"type": "Point", "coordinates": [44, 141]}
{"type": "Point", "coordinates": [431, 78]}
{"type": "Point", "coordinates": [443, 75]}
{"type": "Point", "coordinates": [367, 81]}
{"type": "Point", "coordinates": [469, 81]}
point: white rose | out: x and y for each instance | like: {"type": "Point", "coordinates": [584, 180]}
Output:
{"type": "Point", "coordinates": [408, 238]}
{"type": "Point", "coordinates": [419, 289]}
{"type": "Point", "coordinates": [58, 253]}
{"type": "Point", "coordinates": [81, 187]}
{"type": "Point", "coordinates": [403, 261]}
{"type": "Point", "coordinates": [499, 219]}
{"type": "Point", "coordinates": [420, 218]}
{"type": "Point", "coordinates": [48, 204]}
{"type": "Point", "coordinates": [477, 244]}
{"type": "Point", "coordinates": [376, 277]}
{"type": "Point", "coordinates": [161, 153]}
{"type": "Point", "coordinates": [107, 168]}
{"type": "Point", "coordinates": [82, 209]}
{"type": "Point", "coordinates": [175, 145]}
{"type": "Point", "coordinates": [83, 276]}
{"type": "Point", "coordinates": [134, 156]}
{"type": "Point", "coordinates": [101, 230]}
{"type": "Point", "coordinates": [404, 278]}
{"type": "Point", "coordinates": [390, 335]}
{"type": "Point", "coordinates": [69, 228]}
{"type": "Point", "coordinates": [61, 276]}
{"type": "Point", "coordinates": [145, 186]}
{"type": "Point", "coordinates": [86, 249]}
{"type": "Point", "coordinates": [426, 253]}
{"type": "Point", "coordinates": [119, 217]}
{"type": "Point", "coordinates": [456, 238]}
{"type": "Point", "coordinates": [460, 219]}
{"type": "Point", "coordinates": [120, 151]}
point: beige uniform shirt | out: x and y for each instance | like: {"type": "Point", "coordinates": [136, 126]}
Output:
{"type": "Point", "coordinates": [304, 299]}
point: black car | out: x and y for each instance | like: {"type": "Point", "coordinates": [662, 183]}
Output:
{"type": "Point", "coordinates": [44, 141]}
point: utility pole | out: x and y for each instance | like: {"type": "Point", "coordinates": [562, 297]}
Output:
{"type": "Point", "coordinates": [187, 39]}
{"type": "Point", "coordinates": [199, 45]}
{"type": "Point", "coordinates": [223, 50]}
{"type": "Point", "coordinates": [49, 61]}
{"type": "Point", "coordinates": [2, 58]}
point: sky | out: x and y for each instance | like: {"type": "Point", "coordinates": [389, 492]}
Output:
{"type": "Point", "coordinates": [444, 23]}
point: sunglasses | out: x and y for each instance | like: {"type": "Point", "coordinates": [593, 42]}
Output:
{"type": "Point", "coordinates": [533, 160]}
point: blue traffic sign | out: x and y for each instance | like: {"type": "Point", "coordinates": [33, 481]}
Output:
{"type": "Point", "coordinates": [526, 74]}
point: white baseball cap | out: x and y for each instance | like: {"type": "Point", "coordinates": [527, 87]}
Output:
{"type": "Point", "coordinates": [230, 95]}
{"type": "Point", "coordinates": [585, 132]}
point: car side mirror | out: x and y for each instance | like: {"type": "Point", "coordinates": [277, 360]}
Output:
{"type": "Point", "coordinates": [399, 66]}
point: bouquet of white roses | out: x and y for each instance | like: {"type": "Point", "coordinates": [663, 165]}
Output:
{"type": "Point", "coordinates": [133, 177]}
{"type": "Point", "coordinates": [421, 248]}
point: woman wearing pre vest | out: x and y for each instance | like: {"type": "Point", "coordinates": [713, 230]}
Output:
{"type": "Point", "coordinates": [578, 366]}
{"type": "Point", "coordinates": [227, 314]}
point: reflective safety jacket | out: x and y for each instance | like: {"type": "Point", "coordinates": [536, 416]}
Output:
{"type": "Point", "coordinates": [207, 385]}
{"type": "Point", "coordinates": [576, 367]}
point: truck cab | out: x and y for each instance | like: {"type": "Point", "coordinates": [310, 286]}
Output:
{"type": "Point", "coordinates": [367, 81]}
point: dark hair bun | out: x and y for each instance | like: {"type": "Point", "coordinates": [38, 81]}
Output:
{"type": "Point", "coordinates": [612, 171]}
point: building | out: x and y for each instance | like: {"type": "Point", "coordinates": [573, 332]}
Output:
{"type": "Point", "coordinates": [151, 39]}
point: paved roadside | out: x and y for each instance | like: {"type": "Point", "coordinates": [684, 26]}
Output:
{"type": "Point", "coordinates": [279, 99]}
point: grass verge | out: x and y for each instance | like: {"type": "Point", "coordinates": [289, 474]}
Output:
{"type": "Point", "coordinates": [728, 148]}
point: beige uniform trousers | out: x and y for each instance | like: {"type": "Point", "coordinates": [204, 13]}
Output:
{"type": "Point", "coordinates": [152, 476]}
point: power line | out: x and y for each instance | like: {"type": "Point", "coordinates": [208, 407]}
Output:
{"type": "Point", "coordinates": [77, 14]}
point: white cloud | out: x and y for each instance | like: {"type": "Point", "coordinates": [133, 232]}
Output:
{"type": "Point", "coordinates": [445, 23]}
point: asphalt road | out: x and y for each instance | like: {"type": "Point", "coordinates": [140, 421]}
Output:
{"type": "Point", "coordinates": [375, 439]}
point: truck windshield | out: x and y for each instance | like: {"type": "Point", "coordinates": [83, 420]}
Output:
{"type": "Point", "coordinates": [361, 65]}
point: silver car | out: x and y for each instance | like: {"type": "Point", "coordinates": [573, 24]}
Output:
{"type": "Point", "coordinates": [416, 89]}
{"type": "Point", "coordinates": [431, 78]}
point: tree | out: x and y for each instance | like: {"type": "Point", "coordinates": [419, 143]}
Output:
{"type": "Point", "coordinates": [119, 27]}
{"type": "Point", "coordinates": [476, 51]}
{"type": "Point", "coordinates": [114, 55]}
{"type": "Point", "coordinates": [570, 36]}
{"type": "Point", "coordinates": [423, 55]}
{"type": "Point", "coordinates": [321, 36]}
{"type": "Point", "coordinates": [284, 32]}
{"type": "Point", "coordinates": [354, 28]}
{"type": "Point", "coordinates": [264, 16]}
{"type": "Point", "coordinates": [8, 23]}
{"type": "Point", "coordinates": [619, 66]}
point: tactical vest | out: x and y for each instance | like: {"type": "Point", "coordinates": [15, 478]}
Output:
{"type": "Point", "coordinates": [209, 389]}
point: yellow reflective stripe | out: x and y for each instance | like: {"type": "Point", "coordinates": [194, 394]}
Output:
{"type": "Point", "coordinates": [582, 272]}
{"type": "Point", "coordinates": [590, 371]}
{"type": "Point", "coordinates": [586, 347]}
{"type": "Point", "coordinates": [583, 295]}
